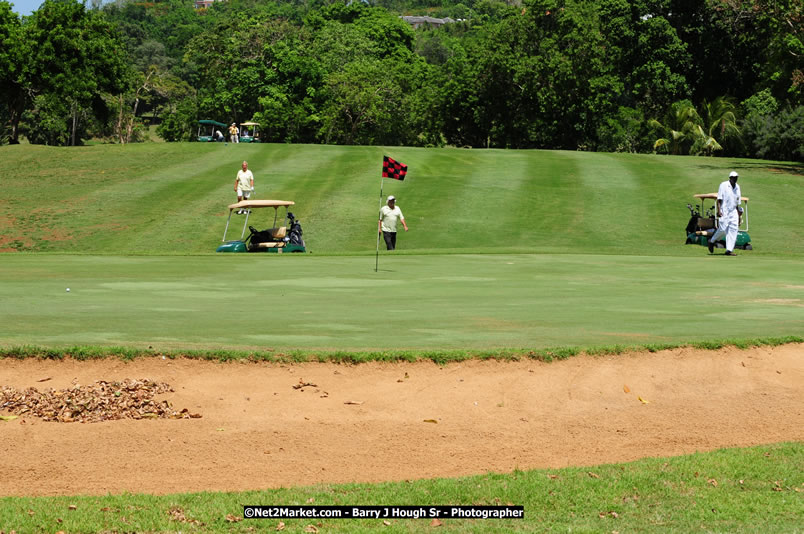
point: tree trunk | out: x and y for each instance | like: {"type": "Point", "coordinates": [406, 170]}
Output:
{"type": "Point", "coordinates": [75, 119]}
{"type": "Point", "coordinates": [119, 126]}
{"type": "Point", "coordinates": [130, 125]}
{"type": "Point", "coordinates": [15, 107]}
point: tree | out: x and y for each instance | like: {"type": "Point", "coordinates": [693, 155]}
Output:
{"type": "Point", "coordinates": [657, 63]}
{"type": "Point", "coordinates": [776, 135]}
{"type": "Point", "coordinates": [624, 132]}
{"type": "Point", "coordinates": [76, 58]}
{"type": "Point", "coordinates": [12, 93]}
{"type": "Point", "coordinates": [364, 104]}
{"type": "Point", "coordinates": [785, 68]}
{"type": "Point", "coordinates": [541, 78]}
{"type": "Point", "coordinates": [680, 130]}
{"type": "Point", "coordinates": [237, 70]}
{"type": "Point", "coordinates": [720, 123]}
{"type": "Point", "coordinates": [180, 120]}
{"type": "Point", "coordinates": [739, 47]}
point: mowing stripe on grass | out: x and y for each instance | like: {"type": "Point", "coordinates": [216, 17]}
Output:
{"type": "Point", "coordinates": [138, 198]}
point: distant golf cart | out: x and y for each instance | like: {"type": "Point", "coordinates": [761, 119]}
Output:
{"type": "Point", "coordinates": [704, 221]}
{"type": "Point", "coordinates": [210, 126]}
{"type": "Point", "coordinates": [249, 132]}
{"type": "Point", "coordinates": [287, 238]}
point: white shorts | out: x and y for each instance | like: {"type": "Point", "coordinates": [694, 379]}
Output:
{"type": "Point", "coordinates": [244, 194]}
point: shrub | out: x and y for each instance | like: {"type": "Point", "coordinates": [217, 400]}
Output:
{"type": "Point", "coordinates": [775, 135]}
{"type": "Point", "coordinates": [624, 132]}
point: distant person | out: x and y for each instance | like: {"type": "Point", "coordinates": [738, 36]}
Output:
{"type": "Point", "coordinates": [233, 133]}
{"type": "Point", "coordinates": [729, 213]}
{"type": "Point", "coordinates": [244, 185]}
{"type": "Point", "coordinates": [218, 136]}
{"type": "Point", "coordinates": [390, 216]}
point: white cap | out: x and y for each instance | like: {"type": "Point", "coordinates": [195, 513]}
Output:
{"type": "Point", "coordinates": [391, 197]}
{"type": "Point", "coordinates": [733, 174]}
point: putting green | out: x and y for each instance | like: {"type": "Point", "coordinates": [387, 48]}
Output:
{"type": "Point", "coordinates": [424, 302]}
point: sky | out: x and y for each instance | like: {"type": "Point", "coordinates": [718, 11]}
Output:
{"type": "Point", "coordinates": [25, 7]}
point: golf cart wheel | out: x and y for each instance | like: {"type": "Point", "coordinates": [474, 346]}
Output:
{"type": "Point", "coordinates": [720, 244]}
{"type": "Point", "coordinates": [748, 247]}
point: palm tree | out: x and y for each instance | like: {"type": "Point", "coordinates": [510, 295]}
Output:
{"type": "Point", "coordinates": [720, 121]}
{"type": "Point", "coordinates": [681, 130]}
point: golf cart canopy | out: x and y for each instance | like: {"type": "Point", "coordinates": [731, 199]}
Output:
{"type": "Point", "coordinates": [207, 122]}
{"type": "Point", "coordinates": [248, 204]}
{"type": "Point", "coordinates": [713, 196]}
{"type": "Point", "coordinates": [249, 132]}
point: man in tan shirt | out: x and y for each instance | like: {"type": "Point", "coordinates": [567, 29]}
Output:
{"type": "Point", "coordinates": [390, 215]}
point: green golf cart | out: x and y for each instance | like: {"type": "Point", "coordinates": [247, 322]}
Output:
{"type": "Point", "coordinates": [249, 132]}
{"type": "Point", "coordinates": [278, 239]}
{"type": "Point", "coordinates": [703, 223]}
{"type": "Point", "coordinates": [210, 126]}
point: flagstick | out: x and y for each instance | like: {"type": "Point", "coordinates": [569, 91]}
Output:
{"type": "Point", "coordinates": [377, 257]}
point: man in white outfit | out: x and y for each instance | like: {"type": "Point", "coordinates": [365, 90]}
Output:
{"type": "Point", "coordinates": [729, 213]}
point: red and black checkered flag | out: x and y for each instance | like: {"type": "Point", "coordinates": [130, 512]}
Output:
{"type": "Point", "coordinates": [393, 169]}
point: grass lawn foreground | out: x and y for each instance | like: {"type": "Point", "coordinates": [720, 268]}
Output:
{"type": "Point", "coordinates": [759, 489]}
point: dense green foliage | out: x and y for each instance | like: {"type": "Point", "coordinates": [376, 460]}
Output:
{"type": "Point", "coordinates": [568, 74]}
{"type": "Point", "coordinates": [60, 61]}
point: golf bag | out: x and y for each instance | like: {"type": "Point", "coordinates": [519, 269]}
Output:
{"type": "Point", "coordinates": [295, 231]}
{"type": "Point", "coordinates": [698, 223]}
{"type": "Point", "coordinates": [692, 225]}
{"type": "Point", "coordinates": [259, 236]}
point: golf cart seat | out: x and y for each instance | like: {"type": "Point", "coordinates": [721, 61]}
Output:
{"type": "Point", "coordinates": [706, 223]}
{"type": "Point", "coordinates": [269, 234]}
{"type": "Point", "coordinates": [271, 244]}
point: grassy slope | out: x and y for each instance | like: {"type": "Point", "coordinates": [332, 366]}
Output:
{"type": "Point", "coordinates": [172, 198]}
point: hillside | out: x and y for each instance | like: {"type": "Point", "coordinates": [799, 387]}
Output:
{"type": "Point", "coordinates": [172, 198]}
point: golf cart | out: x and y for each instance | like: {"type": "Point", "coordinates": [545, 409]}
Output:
{"type": "Point", "coordinates": [287, 238]}
{"type": "Point", "coordinates": [210, 126]}
{"type": "Point", "coordinates": [249, 132]}
{"type": "Point", "coordinates": [701, 227]}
